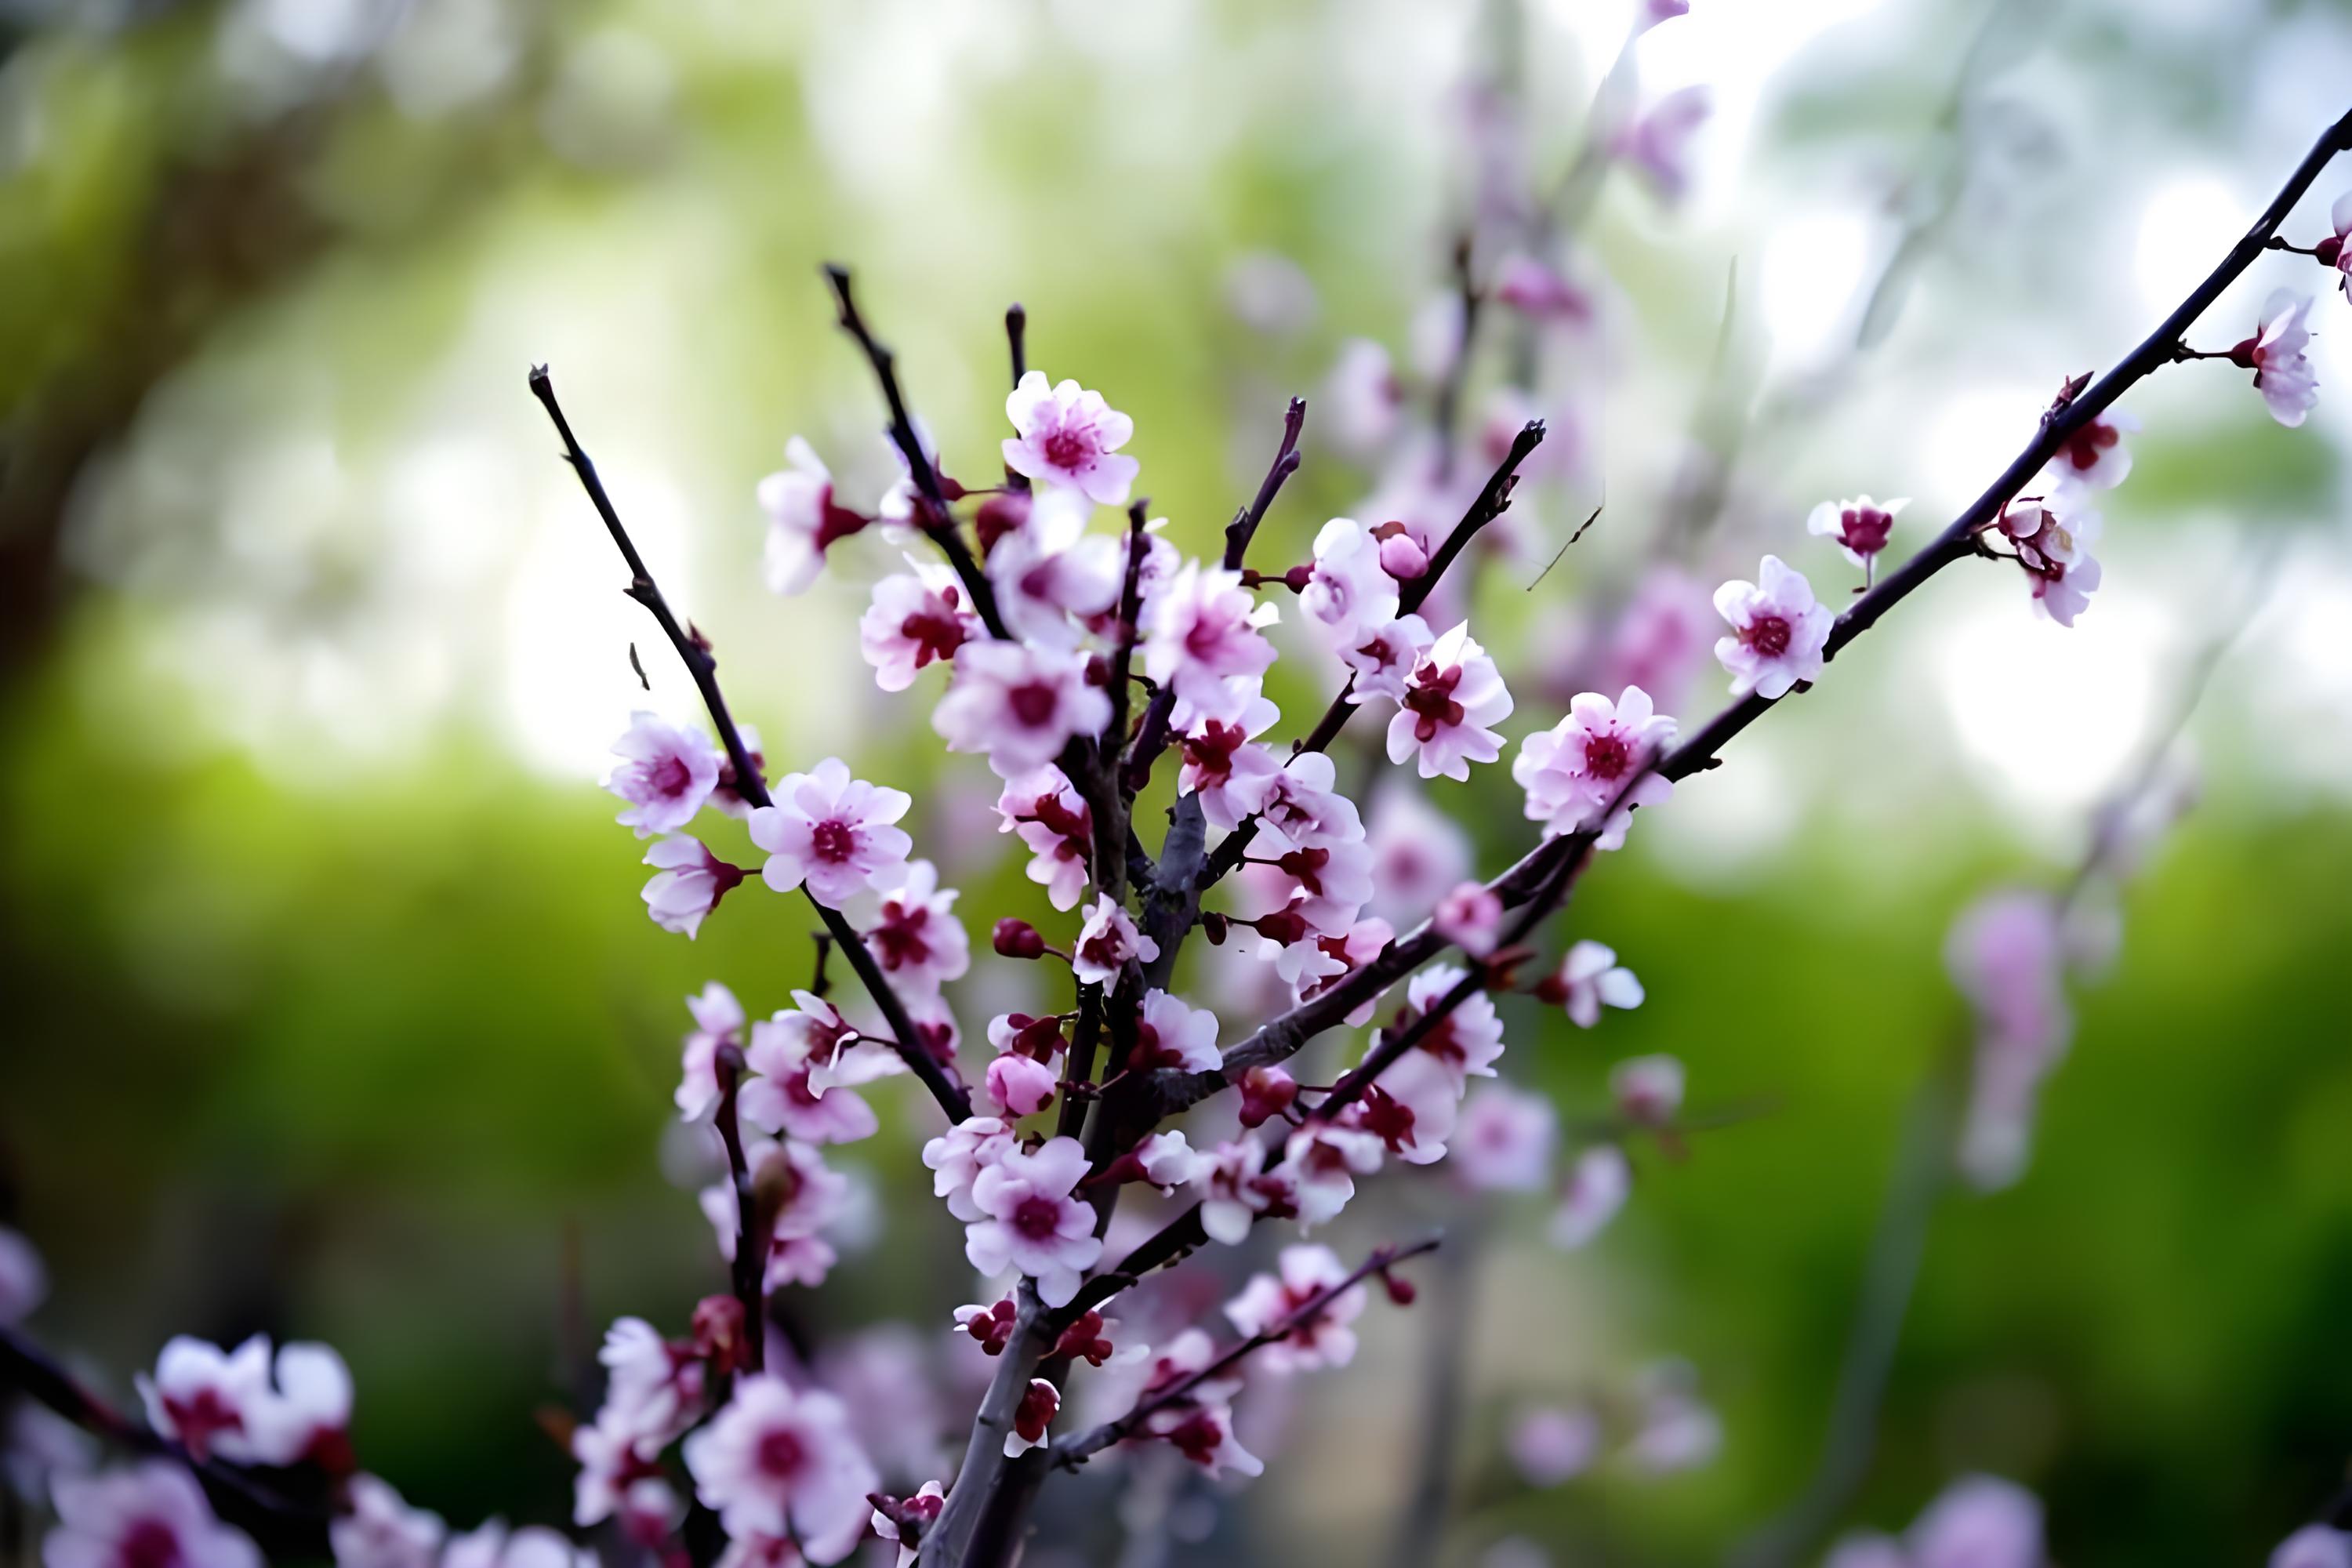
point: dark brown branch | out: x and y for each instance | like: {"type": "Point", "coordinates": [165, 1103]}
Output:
{"type": "Point", "coordinates": [1243, 526]}
{"type": "Point", "coordinates": [694, 652]}
{"type": "Point", "coordinates": [1016, 339]}
{"type": "Point", "coordinates": [749, 1271]}
{"type": "Point", "coordinates": [1075, 1452]}
{"type": "Point", "coordinates": [931, 497]}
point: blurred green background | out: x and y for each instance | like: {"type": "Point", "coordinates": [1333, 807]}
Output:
{"type": "Point", "coordinates": [333, 1009]}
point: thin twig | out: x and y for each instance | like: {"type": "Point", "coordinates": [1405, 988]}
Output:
{"type": "Point", "coordinates": [748, 1270]}
{"type": "Point", "coordinates": [1243, 526]}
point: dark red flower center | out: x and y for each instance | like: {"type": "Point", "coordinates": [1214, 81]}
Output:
{"type": "Point", "coordinates": [832, 840]}
{"type": "Point", "coordinates": [1034, 703]}
{"type": "Point", "coordinates": [1767, 635]}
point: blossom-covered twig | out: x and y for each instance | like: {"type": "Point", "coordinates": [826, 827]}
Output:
{"type": "Point", "coordinates": [1076, 1451]}
{"type": "Point", "coordinates": [747, 1271]}
{"type": "Point", "coordinates": [700, 663]}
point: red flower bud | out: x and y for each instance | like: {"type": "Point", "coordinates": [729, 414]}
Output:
{"type": "Point", "coordinates": [1018, 939]}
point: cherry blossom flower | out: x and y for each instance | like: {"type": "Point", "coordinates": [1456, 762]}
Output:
{"type": "Point", "coordinates": [907, 1519]}
{"type": "Point", "coordinates": [1222, 764]}
{"type": "Point", "coordinates": [24, 1282]}
{"type": "Point", "coordinates": [1167, 1161]}
{"type": "Point", "coordinates": [1348, 595]}
{"type": "Point", "coordinates": [1029, 1222]}
{"type": "Point", "coordinates": [1552, 1444]}
{"type": "Point", "coordinates": [688, 882]}
{"type": "Point", "coordinates": [1455, 695]}
{"type": "Point", "coordinates": [717, 1020]}
{"type": "Point", "coordinates": [804, 520]}
{"type": "Point", "coordinates": [915, 936]}
{"type": "Point", "coordinates": [2274, 353]}
{"type": "Point", "coordinates": [1648, 1089]}
{"type": "Point", "coordinates": [1200, 637]}
{"type": "Point", "coordinates": [1056, 822]}
{"type": "Point", "coordinates": [1173, 1034]}
{"type": "Point", "coordinates": [1470, 917]}
{"type": "Point", "coordinates": [1532, 289]}
{"type": "Point", "coordinates": [495, 1546]}
{"type": "Point", "coordinates": [1410, 1107]}
{"type": "Point", "coordinates": [1235, 1190]}
{"type": "Point", "coordinates": [652, 1389]}
{"type": "Point", "coordinates": [1504, 1138]}
{"type": "Point", "coordinates": [1778, 631]}
{"type": "Point", "coordinates": [1468, 1039]}
{"type": "Point", "coordinates": [1861, 526]}
{"type": "Point", "coordinates": [1677, 1430]}
{"type": "Point", "coordinates": [780, 1461]}
{"type": "Point", "coordinates": [2050, 545]}
{"type": "Point", "coordinates": [1040, 1403]}
{"type": "Point", "coordinates": [1587, 772]}
{"type": "Point", "coordinates": [1657, 142]}
{"type": "Point", "coordinates": [1321, 1162]}
{"type": "Point", "coordinates": [812, 1196]}
{"type": "Point", "coordinates": [1589, 978]}
{"type": "Point", "coordinates": [1364, 398]}
{"type": "Point", "coordinates": [1345, 953]}
{"type": "Point", "coordinates": [1404, 555]}
{"type": "Point", "coordinates": [1382, 658]}
{"type": "Point", "coordinates": [2314, 1545]}
{"type": "Point", "coordinates": [1108, 942]}
{"type": "Point", "coordinates": [1303, 806]}
{"type": "Point", "coordinates": [1051, 576]}
{"type": "Point", "coordinates": [382, 1530]}
{"type": "Point", "coordinates": [1069, 436]}
{"type": "Point", "coordinates": [306, 1416]}
{"type": "Point", "coordinates": [1202, 1431]}
{"type": "Point", "coordinates": [959, 1156]}
{"type": "Point", "coordinates": [1019, 705]}
{"type": "Point", "coordinates": [611, 1458]}
{"type": "Point", "coordinates": [728, 795]}
{"type": "Point", "coordinates": [1021, 1086]}
{"type": "Point", "coordinates": [2095, 457]}
{"type": "Point", "coordinates": [1418, 852]}
{"type": "Point", "coordinates": [834, 832]}
{"type": "Point", "coordinates": [666, 773]}
{"type": "Point", "coordinates": [1321, 1338]}
{"type": "Point", "coordinates": [917, 618]}
{"type": "Point", "coordinates": [211, 1401]}
{"type": "Point", "coordinates": [148, 1514]}
{"type": "Point", "coordinates": [1266, 1092]}
{"type": "Point", "coordinates": [1597, 1187]}
{"type": "Point", "coordinates": [1978, 1522]}
{"type": "Point", "coordinates": [1662, 637]}
{"type": "Point", "coordinates": [804, 1059]}
{"type": "Point", "coordinates": [1323, 884]}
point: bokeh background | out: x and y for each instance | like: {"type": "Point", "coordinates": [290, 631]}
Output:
{"type": "Point", "coordinates": [331, 1008]}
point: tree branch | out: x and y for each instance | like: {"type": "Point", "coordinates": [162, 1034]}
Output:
{"type": "Point", "coordinates": [1243, 526]}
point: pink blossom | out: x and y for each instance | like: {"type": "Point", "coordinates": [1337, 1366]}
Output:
{"type": "Point", "coordinates": [1470, 917]}
{"type": "Point", "coordinates": [1382, 658]}
{"type": "Point", "coordinates": [1168, 1162]}
{"type": "Point", "coordinates": [1029, 1222]}
{"type": "Point", "coordinates": [495, 1546]}
{"type": "Point", "coordinates": [24, 1282]}
{"type": "Point", "coordinates": [1589, 978]}
{"type": "Point", "coordinates": [719, 1020]}
{"type": "Point", "coordinates": [1057, 825]}
{"type": "Point", "coordinates": [728, 795]}
{"type": "Point", "coordinates": [1551, 1444]}
{"type": "Point", "coordinates": [1403, 555]}
{"type": "Point", "coordinates": [1364, 400]}
{"type": "Point", "coordinates": [1306, 809]}
{"type": "Point", "coordinates": [1597, 1187]}
{"type": "Point", "coordinates": [1323, 884]}
{"type": "Point", "coordinates": [2095, 457]}
{"type": "Point", "coordinates": [1347, 594]}
{"type": "Point", "coordinates": [917, 618]}
{"type": "Point", "coordinates": [1108, 942]}
{"type": "Point", "coordinates": [959, 1156]}
{"type": "Point", "coordinates": [803, 521]}
{"type": "Point", "coordinates": [1410, 1107]}
{"type": "Point", "coordinates": [1200, 637]}
{"type": "Point", "coordinates": [1467, 1040]}
{"type": "Point", "coordinates": [1069, 436]}
{"type": "Point", "coordinates": [2335, 250]}
{"type": "Point", "coordinates": [1040, 1403]}
{"type": "Point", "coordinates": [382, 1530]}
{"type": "Point", "coordinates": [212, 1402]}
{"type": "Point", "coordinates": [306, 1416]}
{"type": "Point", "coordinates": [912, 1515]}
{"type": "Point", "coordinates": [1778, 631]}
{"type": "Point", "coordinates": [1861, 526]}
{"type": "Point", "coordinates": [1587, 772]}
{"type": "Point", "coordinates": [780, 1461]}
{"type": "Point", "coordinates": [2051, 545]}
{"type": "Point", "coordinates": [688, 882]}
{"type": "Point", "coordinates": [915, 936]}
{"type": "Point", "coordinates": [1322, 1161]}
{"type": "Point", "coordinates": [1658, 143]}
{"type": "Point", "coordinates": [2274, 353]}
{"type": "Point", "coordinates": [653, 1389]}
{"type": "Point", "coordinates": [795, 1092]}
{"type": "Point", "coordinates": [1978, 1522]}
{"type": "Point", "coordinates": [1648, 1089]}
{"type": "Point", "coordinates": [1173, 1034]}
{"type": "Point", "coordinates": [1050, 575]}
{"type": "Point", "coordinates": [612, 1459]}
{"type": "Point", "coordinates": [1662, 637]}
{"type": "Point", "coordinates": [1321, 1338]}
{"type": "Point", "coordinates": [1345, 953]}
{"type": "Point", "coordinates": [834, 832]}
{"type": "Point", "coordinates": [1019, 705]}
{"type": "Point", "coordinates": [812, 1197]}
{"type": "Point", "coordinates": [1677, 1430]}
{"type": "Point", "coordinates": [1454, 698]}
{"type": "Point", "coordinates": [1532, 289]}
{"type": "Point", "coordinates": [1504, 1138]}
{"type": "Point", "coordinates": [1418, 852]}
{"type": "Point", "coordinates": [1202, 1431]}
{"type": "Point", "coordinates": [666, 774]}
{"type": "Point", "coordinates": [2314, 1545]}
{"type": "Point", "coordinates": [1220, 764]}
{"type": "Point", "coordinates": [1023, 1086]}
{"type": "Point", "coordinates": [147, 1514]}
{"type": "Point", "coordinates": [1235, 1190]}
{"type": "Point", "coordinates": [1266, 1092]}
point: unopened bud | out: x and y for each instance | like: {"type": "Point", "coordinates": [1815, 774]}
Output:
{"type": "Point", "coordinates": [1018, 939]}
